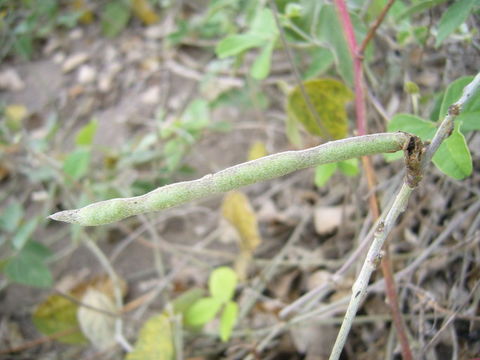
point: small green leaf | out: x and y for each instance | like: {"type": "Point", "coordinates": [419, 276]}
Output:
{"type": "Point", "coordinates": [202, 311]}
{"type": "Point", "coordinates": [294, 10]}
{"type": "Point", "coordinates": [451, 19]}
{"type": "Point", "coordinates": [11, 217]}
{"type": "Point", "coordinates": [197, 115]}
{"type": "Point", "coordinates": [261, 66]}
{"type": "Point", "coordinates": [28, 270]}
{"type": "Point", "coordinates": [174, 150]}
{"type": "Point", "coordinates": [182, 303]}
{"type": "Point", "coordinates": [23, 233]}
{"type": "Point", "coordinates": [453, 157]}
{"type": "Point", "coordinates": [115, 17]}
{"type": "Point", "coordinates": [264, 25]}
{"type": "Point", "coordinates": [236, 44]}
{"type": "Point", "coordinates": [222, 283]}
{"type": "Point", "coordinates": [76, 163]}
{"type": "Point", "coordinates": [86, 134]}
{"type": "Point", "coordinates": [323, 173]}
{"type": "Point", "coordinates": [228, 320]}
{"type": "Point", "coordinates": [349, 167]}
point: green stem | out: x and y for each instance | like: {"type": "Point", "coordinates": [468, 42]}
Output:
{"type": "Point", "coordinates": [268, 167]}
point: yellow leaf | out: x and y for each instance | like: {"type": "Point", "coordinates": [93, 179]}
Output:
{"type": "Point", "coordinates": [144, 11]}
{"type": "Point", "coordinates": [96, 324]}
{"type": "Point", "coordinates": [328, 98]}
{"type": "Point", "coordinates": [58, 314]}
{"type": "Point", "coordinates": [237, 210]}
{"type": "Point", "coordinates": [155, 341]}
{"type": "Point", "coordinates": [242, 262]}
{"type": "Point", "coordinates": [84, 9]}
{"type": "Point", "coordinates": [257, 150]}
{"type": "Point", "coordinates": [15, 114]}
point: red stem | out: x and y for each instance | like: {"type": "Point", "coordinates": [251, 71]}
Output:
{"type": "Point", "coordinates": [357, 67]}
{"type": "Point", "coordinates": [357, 57]}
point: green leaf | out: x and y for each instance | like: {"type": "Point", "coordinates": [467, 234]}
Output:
{"type": "Point", "coordinates": [236, 44]}
{"type": "Point", "coordinates": [11, 216]}
{"type": "Point", "coordinates": [115, 17]}
{"type": "Point", "coordinates": [23, 233]}
{"type": "Point", "coordinates": [202, 311]}
{"type": "Point", "coordinates": [228, 320]}
{"type": "Point", "coordinates": [174, 150]}
{"type": "Point", "coordinates": [183, 302]}
{"type": "Point", "coordinates": [453, 93]}
{"type": "Point", "coordinates": [328, 20]}
{"type": "Point", "coordinates": [264, 25]}
{"type": "Point", "coordinates": [86, 134]}
{"type": "Point", "coordinates": [470, 121]}
{"type": "Point", "coordinates": [23, 45]}
{"type": "Point", "coordinates": [28, 270]}
{"type": "Point", "coordinates": [412, 124]}
{"type": "Point", "coordinates": [76, 163]}
{"type": "Point", "coordinates": [455, 15]}
{"type": "Point", "coordinates": [38, 250]}
{"type": "Point", "coordinates": [321, 60]}
{"type": "Point", "coordinates": [349, 167]}
{"type": "Point", "coordinates": [58, 314]}
{"type": "Point", "coordinates": [197, 115]}
{"type": "Point", "coordinates": [261, 66]}
{"type": "Point", "coordinates": [155, 341]}
{"type": "Point", "coordinates": [328, 97]}
{"type": "Point", "coordinates": [453, 157]}
{"type": "Point", "coordinates": [417, 7]}
{"type": "Point", "coordinates": [222, 283]}
{"type": "Point", "coordinates": [323, 173]}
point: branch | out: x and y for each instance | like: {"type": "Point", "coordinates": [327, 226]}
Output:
{"type": "Point", "coordinates": [417, 160]}
{"type": "Point", "coordinates": [268, 167]}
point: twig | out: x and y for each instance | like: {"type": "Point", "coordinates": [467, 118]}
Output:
{"type": "Point", "coordinates": [269, 271]}
{"type": "Point", "coordinates": [416, 164]}
{"type": "Point", "coordinates": [374, 27]}
{"type": "Point", "coordinates": [265, 168]}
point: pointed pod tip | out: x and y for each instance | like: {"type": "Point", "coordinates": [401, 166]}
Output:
{"type": "Point", "coordinates": [65, 216]}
